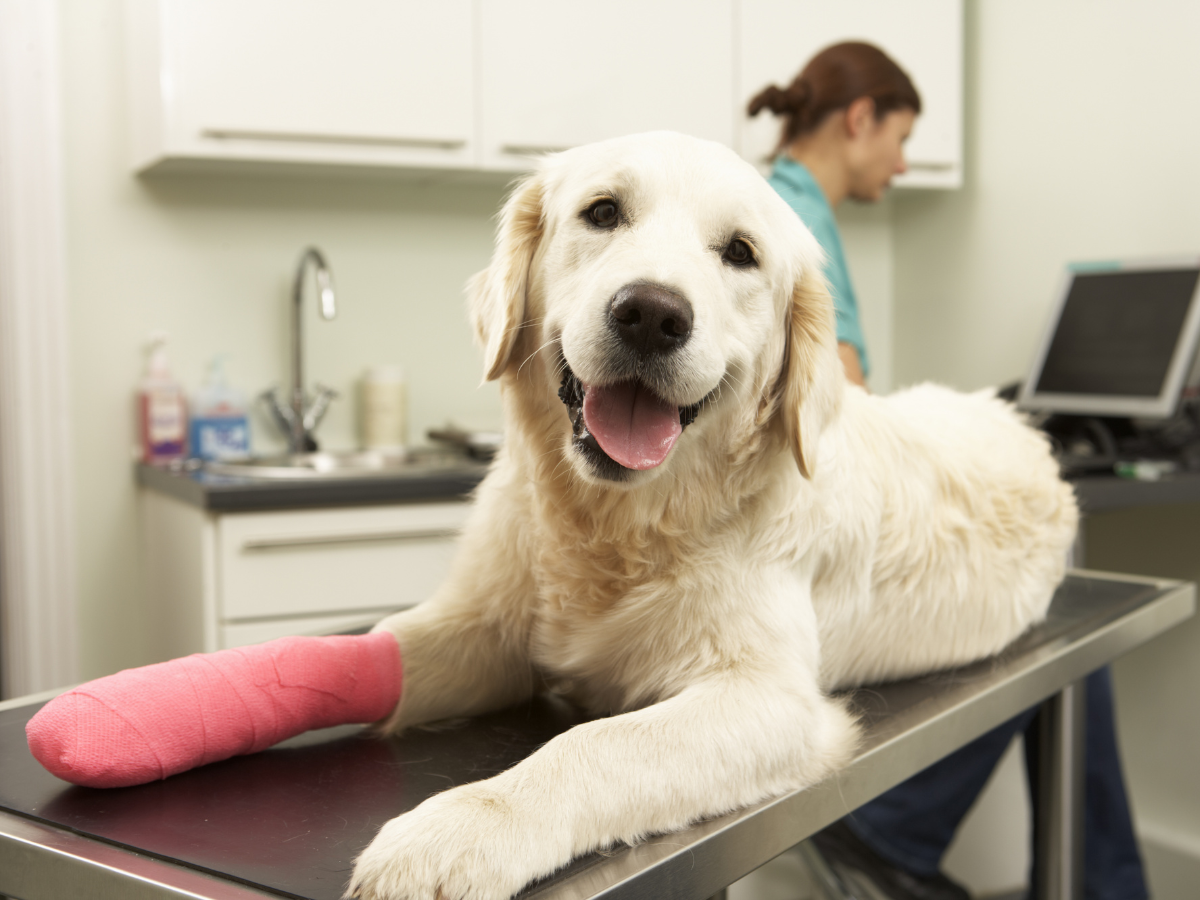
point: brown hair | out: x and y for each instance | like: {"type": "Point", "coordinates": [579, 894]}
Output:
{"type": "Point", "coordinates": [832, 80]}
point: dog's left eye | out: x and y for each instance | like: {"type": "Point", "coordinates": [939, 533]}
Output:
{"type": "Point", "coordinates": [738, 253]}
{"type": "Point", "coordinates": [602, 213]}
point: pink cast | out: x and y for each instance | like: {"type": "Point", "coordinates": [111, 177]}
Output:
{"type": "Point", "coordinates": [144, 724]}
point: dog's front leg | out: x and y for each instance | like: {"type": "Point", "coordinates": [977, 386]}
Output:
{"type": "Point", "coordinates": [718, 745]}
{"type": "Point", "coordinates": [465, 650]}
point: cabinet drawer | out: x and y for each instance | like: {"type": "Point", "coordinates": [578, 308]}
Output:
{"type": "Point", "coordinates": [333, 561]}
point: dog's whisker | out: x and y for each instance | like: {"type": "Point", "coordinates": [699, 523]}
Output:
{"type": "Point", "coordinates": [520, 326]}
{"type": "Point", "coordinates": [535, 353]}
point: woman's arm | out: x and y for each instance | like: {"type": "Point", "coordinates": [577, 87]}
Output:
{"type": "Point", "coordinates": [848, 354]}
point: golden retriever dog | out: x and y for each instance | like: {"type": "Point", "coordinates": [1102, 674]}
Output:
{"type": "Point", "coordinates": [696, 530]}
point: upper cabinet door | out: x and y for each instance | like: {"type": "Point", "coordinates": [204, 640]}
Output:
{"type": "Point", "coordinates": [924, 36]}
{"type": "Point", "coordinates": [555, 74]}
{"type": "Point", "coordinates": [345, 81]}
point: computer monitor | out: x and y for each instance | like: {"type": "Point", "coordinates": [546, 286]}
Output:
{"type": "Point", "coordinates": [1121, 340]}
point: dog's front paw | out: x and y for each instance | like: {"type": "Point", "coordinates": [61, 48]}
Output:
{"type": "Point", "coordinates": [466, 844]}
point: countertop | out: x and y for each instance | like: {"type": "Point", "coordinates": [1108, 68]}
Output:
{"type": "Point", "coordinates": [453, 479]}
{"type": "Point", "coordinates": [1107, 493]}
{"type": "Point", "coordinates": [288, 822]}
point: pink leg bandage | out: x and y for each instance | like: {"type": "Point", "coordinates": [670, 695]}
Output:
{"type": "Point", "coordinates": [143, 724]}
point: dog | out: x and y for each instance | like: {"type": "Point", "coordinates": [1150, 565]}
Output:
{"type": "Point", "coordinates": [696, 529]}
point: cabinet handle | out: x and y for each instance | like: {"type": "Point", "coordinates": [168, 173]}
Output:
{"type": "Point", "coordinates": [931, 166]}
{"type": "Point", "coordinates": [299, 137]}
{"type": "Point", "coordinates": [314, 540]}
{"type": "Point", "coordinates": [531, 149]}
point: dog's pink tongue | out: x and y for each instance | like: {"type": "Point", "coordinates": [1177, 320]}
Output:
{"type": "Point", "coordinates": [632, 425]}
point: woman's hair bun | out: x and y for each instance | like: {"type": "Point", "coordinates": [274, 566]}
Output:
{"type": "Point", "coordinates": [771, 98]}
{"type": "Point", "coordinates": [781, 102]}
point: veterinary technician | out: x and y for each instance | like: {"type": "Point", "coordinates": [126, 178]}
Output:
{"type": "Point", "coordinates": [845, 119]}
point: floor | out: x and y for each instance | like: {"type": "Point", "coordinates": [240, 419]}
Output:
{"type": "Point", "coordinates": [783, 878]}
{"type": "Point", "coordinates": [790, 876]}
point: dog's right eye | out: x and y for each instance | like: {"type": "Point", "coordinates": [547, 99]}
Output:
{"type": "Point", "coordinates": [602, 213]}
{"type": "Point", "coordinates": [739, 254]}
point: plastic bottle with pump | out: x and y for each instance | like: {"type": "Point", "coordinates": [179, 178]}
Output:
{"type": "Point", "coordinates": [220, 428]}
{"type": "Point", "coordinates": [162, 408]}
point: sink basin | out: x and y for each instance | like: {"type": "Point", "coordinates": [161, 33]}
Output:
{"type": "Point", "coordinates": [359, 464]}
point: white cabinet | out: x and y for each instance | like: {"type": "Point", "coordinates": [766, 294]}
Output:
{"type": "Point", "coordinates": [487, 84]}
{"type": "Point", "coordinates": [924, 36]}
{"type": "Point", "coordinates": [354, 82]}
{"type": "Point", "coordinates": [220, 580]}
{"type": "Point", "coordinates": [556, 75]}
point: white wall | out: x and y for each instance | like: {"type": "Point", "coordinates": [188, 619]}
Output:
{"type": "Point", "coordinates": [1083, 142]}
{"type": "Point", "coordinates": [1083, 126]}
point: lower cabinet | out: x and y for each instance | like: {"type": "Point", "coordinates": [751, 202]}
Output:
{"type": "Point", "coordinates": [220, 580]}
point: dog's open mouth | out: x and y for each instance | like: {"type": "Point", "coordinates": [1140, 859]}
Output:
{"type": "Point", "coordinates": [624, 423]}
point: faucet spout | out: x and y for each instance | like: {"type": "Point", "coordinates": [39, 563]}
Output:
{"type": "Point", "coordinates": [298, 434]}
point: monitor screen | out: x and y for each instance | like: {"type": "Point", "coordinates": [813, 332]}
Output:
{"type": "Point", "coordinates": [1120, 343]}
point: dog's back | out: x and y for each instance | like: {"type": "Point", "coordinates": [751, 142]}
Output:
{"type": "Point", "coordinates": [952, 531]}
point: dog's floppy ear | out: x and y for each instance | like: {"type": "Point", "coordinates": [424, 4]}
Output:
{"type": "Point", "coordinates": [812, 376]}
{"type": "Point", "coordinates": [496, 296]}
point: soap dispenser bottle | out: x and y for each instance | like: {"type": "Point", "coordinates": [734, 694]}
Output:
{"type": "Point", "coordinates": [220, 429]}
{"type": "Point", "coordinates": [162, 408]}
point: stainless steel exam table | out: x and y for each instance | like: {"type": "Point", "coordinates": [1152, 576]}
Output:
{"type": "Point", "coordinates": [288, 822]}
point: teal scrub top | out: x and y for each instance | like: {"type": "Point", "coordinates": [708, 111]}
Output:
{"type": "Point", "coordinates": [795, 184]}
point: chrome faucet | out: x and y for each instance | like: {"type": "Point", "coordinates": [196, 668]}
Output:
{"type": "Point", "coordinates": [298, 418]}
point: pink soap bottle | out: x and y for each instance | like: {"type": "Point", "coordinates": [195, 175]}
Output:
{"type": "Point", "coordinates": [161, 408]}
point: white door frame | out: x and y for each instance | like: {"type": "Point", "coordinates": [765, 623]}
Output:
{"type": "Point", "coordinates": [38, 628]}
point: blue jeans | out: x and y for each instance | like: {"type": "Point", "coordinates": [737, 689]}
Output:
{"type": "Point", "coordinates": [912, 824]}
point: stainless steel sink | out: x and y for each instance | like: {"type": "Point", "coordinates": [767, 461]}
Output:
{"type": "Point", "coordinates": [357, 464]}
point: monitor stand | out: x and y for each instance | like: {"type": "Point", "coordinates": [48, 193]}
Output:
{"type": "Point", "coordinates": [1088, 443]}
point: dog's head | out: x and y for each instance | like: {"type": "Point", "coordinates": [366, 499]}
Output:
{"type": "Point", "coordinates": [668, 297]}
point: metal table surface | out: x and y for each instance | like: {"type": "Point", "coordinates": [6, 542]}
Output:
{"type": "Point", "coordinates": [288, 822]}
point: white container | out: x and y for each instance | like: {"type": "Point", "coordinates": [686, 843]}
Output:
{"type": "Point", "coordinates": [383, 409]}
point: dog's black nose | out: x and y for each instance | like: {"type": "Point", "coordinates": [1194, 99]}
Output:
{"type": "Point", "coordinates": [651, 319]}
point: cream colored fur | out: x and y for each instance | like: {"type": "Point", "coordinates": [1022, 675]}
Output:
{"type": "Point", "coordinates": [800, 536]}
